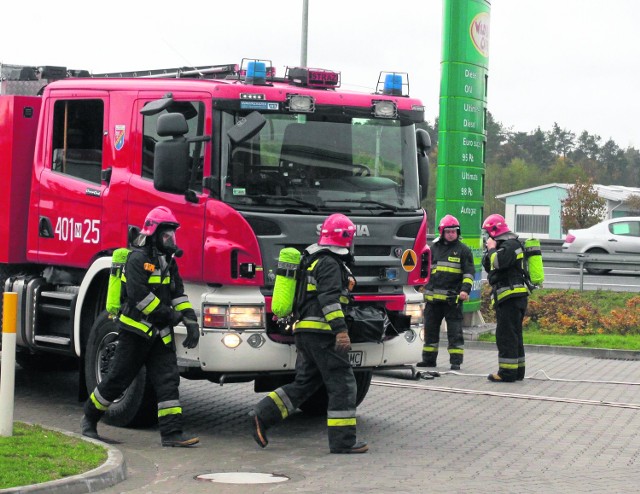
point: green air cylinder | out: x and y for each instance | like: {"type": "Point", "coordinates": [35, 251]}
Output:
{"type": "Point", "coordinates": [118, 260]}
{"type": "Point", "coordinates": [284, 291]}
{"type": "Point", "coordinates": [533, 254]}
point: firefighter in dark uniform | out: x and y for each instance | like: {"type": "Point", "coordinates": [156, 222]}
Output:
{"type": "Point", "coordinates": [503, 260]}
{"type": "Point", "coordinates": [452, 273]}
{"type": "Point", "coordinates": [153, 303]}
{"type": "Point", "coordinates": [322, 343]}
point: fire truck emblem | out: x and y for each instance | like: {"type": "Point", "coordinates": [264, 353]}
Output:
{"type": "Point", "coordinates": [118, 137]}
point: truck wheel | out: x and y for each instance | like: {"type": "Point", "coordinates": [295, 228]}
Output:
{"type": "Point", "coordinates": [137, 406]}
{"type": "Point", "coordinates": [316, 405]}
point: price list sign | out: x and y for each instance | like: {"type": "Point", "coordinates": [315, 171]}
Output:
{"type": "Point", "coordinates": [462, 135]}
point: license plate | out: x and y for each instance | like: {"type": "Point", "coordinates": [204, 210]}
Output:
{"type": "Point", "coordinates": [355, 358]}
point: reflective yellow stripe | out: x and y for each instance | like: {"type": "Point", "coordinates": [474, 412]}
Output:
{"type": "Point", "coordinates": [456, 350]}
{"type": "Point", "coordinates": [507, 366]}
{"type": "Point", "coordinates": [511, 292]}
{"type": "Point", "coordinates": [97, 404]}
{"type": "Point", "coordinates": [341, 422]}
{"type": "Point", "coordinates": [429, 349]}
{"type": "Point", "coordinates": [156, 280]}
{"type": "Point", "coordinates": [313, 325]}
{"type": "Point", "coordinates": [149, 308]}
{"type": "Point", "coordinates": [169, 411]}
{"type": "Point", "coordinates": [135, 324]}
{"type": "Point", "coordinates": [167, 339]}
{"type": "Point", "coordinates": [280, 404]}
{"type": "Point", "coordinates": [446, 269]}
{"type": "Point", "coordinates": [183, 306]}
{"type": "Point", "coordinates": [333, 315]}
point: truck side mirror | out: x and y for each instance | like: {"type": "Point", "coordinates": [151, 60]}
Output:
{"type": "Point", "coordinates": [171, 159]}
{"type": "Point", "coordinates": [423, 143]}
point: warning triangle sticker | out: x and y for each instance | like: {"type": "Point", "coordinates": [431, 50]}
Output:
{"type": "Point", "coordinates": [409, 260]}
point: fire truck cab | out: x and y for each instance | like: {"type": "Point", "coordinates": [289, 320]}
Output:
{"type": "Point", "coordinates": [249, 163]}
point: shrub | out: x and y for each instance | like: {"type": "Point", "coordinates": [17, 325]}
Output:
{"type": "Point", "coordinates": [574, 312]}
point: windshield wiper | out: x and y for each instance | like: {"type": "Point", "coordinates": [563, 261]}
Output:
{"type": "Point", "coordinates": [310, 205]}
{"type": "Point", "coordinates": [383, 205]}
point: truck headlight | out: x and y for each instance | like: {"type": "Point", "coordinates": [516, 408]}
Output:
{"type": "Point", "coordinates": [416, 311]}
{"type": "Point", "coordinates": [233, 317]}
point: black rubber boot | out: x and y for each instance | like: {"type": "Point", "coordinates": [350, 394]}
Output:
{"type": "Point", "coordinates": [358, 447]}
{"type": "Point", "coordinates": [425, 364]}
{"type": "Point", "coordinates": [89, 427]}
{"type": "Point", "coordinates": [258, 430]}
{"type": "Point", "coordinates": [455, 366]}
{"type": "Point", "coordinates": [179, 440]}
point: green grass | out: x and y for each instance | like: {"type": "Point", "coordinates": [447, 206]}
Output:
{"type": "Point", "coordinates": [610, 341]}
{"type": "Point", "coordinates": [34, 455]}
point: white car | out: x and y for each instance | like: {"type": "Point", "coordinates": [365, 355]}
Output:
{"type": "Point", "coordinates": [614, 236]}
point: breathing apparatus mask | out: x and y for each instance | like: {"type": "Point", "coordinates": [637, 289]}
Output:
{"type": "Point", "coordinates": [166, 242]}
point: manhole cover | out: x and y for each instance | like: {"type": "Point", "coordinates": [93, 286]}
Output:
{"type": "Point", "coordinates": [243, 478]}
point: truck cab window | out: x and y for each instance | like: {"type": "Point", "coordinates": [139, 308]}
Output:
{"type": "Point", "coordinates": [194, 113]}
{"type": "Point", "coordinates": [77, 138]}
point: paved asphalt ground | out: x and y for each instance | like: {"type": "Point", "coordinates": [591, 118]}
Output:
{"type": "Point", "coordinates": [453, 434]}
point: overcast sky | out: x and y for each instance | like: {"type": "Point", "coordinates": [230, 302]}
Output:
{"type": "Point", "coordinates": [575, 62]}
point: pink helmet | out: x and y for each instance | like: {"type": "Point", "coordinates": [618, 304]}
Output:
{"type": "Point", "coordinates": [448, 222]}
{"type": "Point", "coordinates": [337, 230]}
{"type": "Point", "coordinates": [160, 215]}
{"type": "Point", "coordinates": [495, 225]}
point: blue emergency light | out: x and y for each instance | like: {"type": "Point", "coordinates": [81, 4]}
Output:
{"type": "Point", "coordinates": [256, 73]}
{"type": "Point", "coordinates": [393, 84]}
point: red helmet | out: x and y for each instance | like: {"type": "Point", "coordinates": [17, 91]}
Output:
{"type": "Point", "coordinates": [161, 215]}
{"type": "Point", "coordinates": [495, 225]}
{"type": "Point", "coordinates": [448, 222]}
{"type": "Point", "coordinates": [337, 230]}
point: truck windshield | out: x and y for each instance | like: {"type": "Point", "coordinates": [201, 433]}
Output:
{"type": "Point", "coordinates": [303, 164]}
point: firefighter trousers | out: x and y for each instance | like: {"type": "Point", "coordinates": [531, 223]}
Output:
{"type": "Point", "coordinates": [131, 353]}
{"type": "Point", "coordinates": [317, 363]}
{"type": "Point", "coordinates": [434, 313]}
{"type": "Point", "coordinates": [509, 316]}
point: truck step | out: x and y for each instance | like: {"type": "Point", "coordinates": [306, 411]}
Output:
{"type": "Point", "coordinates": [52, 340]}
{"type": "Point", "coordinates": [59, 295]}
{"type": "Point", "coordinates": [56, 310]}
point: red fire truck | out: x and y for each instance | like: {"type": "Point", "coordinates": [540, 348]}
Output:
{"type": "Point", "coordinates": [249, 163]}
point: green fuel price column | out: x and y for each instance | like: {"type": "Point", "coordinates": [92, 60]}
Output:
{"type": "Point", "coordinates": [461, 128]}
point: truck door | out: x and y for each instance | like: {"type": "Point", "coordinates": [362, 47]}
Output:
{"type": "Point", "coordinates": [196, 107]}
{"type": "Point", "coordinates": [69, 193]}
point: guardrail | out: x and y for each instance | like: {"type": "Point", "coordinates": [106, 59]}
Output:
{"type": "Point", "coordinates": [594, 261]}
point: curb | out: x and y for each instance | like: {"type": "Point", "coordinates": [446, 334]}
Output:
{"type": "Point", "coordinates": [599, 353]}
{"type": "Point", "coordinates": [111, 472]}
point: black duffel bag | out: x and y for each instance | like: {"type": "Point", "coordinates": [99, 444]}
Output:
{"type": "Point", "coordinates": [367, 323]}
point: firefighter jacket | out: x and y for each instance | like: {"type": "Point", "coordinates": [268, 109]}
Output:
{"type": "Point", "coordinates": [152, 292]}
{"type": "Point", "coordinates": [505, 268]}
{"type": "Point", "coordinates": [326, 294]}
{"type": "Point", "coordinates": [452, 271]}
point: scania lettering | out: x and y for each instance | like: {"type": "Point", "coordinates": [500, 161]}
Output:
{"type": "Point", "coordinates": [249, 163]}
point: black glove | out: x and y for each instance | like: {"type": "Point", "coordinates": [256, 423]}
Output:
{"type": "Point", "coordinates": [193, 333]}
{"type": "Point", "coordinates": [176, 318]}
{"type": "Point", "coordinates": [343, 342]}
